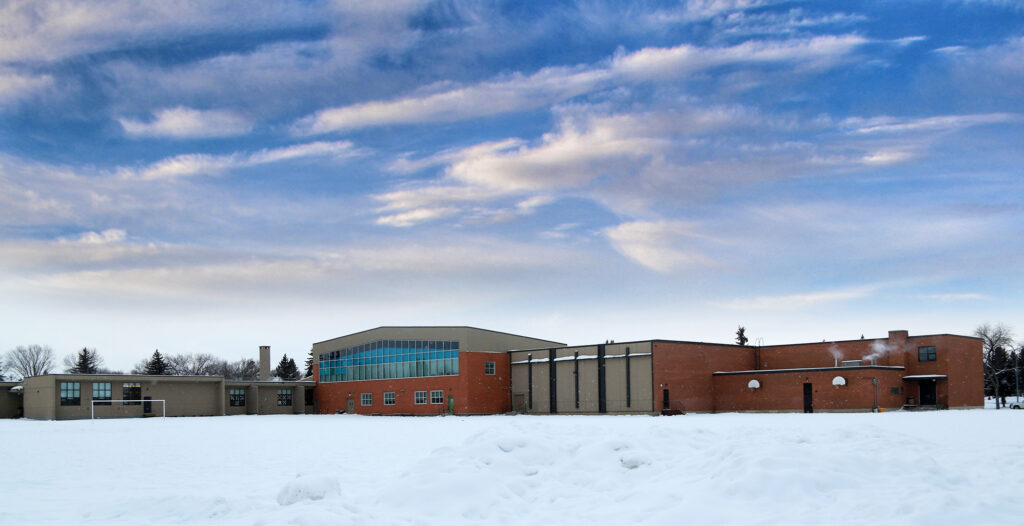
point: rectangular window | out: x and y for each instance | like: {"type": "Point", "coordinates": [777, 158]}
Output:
{"type": "Point", "coordinates": [389, 398]}
{"type": "Point", "coordinates": [488, 367]}
{"type": "Point", "coordinates": [366, 398]}
{"type": "Point", "coordinates": [236, 397]}
{"type": "Point", "coordinates": [70, 393]}
{"type": "Point", "coordinates": [926, 354]}
{"type": "Point", "coordinates": [894, 391]}
{"type": "Point", "coordinates": [131, 391]}
{"type": "Point", "coordinates": [284, 397]}
{"type": "Point", "coordinates": [420, 397]}
{"type": "Point", "coordinates": [101, 391]}
{"type": "Point", "coordinates": [437, 397]}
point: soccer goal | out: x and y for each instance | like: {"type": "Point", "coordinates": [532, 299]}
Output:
{"type": "Point", "coordinates": [92, 406]}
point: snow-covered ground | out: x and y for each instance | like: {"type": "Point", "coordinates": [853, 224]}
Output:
{"type": "Point", "coordinates": [947, 467]}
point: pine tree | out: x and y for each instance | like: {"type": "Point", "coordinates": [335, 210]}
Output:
{"type": "Point", "coordinates": [87, 362]}
{"type": "Point", "coordinates": [286, 369]}
{"type": "Point", "coordinates": [741, 336]}
{"type": "Point", "coordinates": [309, 363]}
{"type": "Point", "coordinates": [156, 364]}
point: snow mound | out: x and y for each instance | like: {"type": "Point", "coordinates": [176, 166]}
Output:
{"type": "Point", "coordinates": [308, 487]}
{"type": "Point", "coordinates": [633, 461]}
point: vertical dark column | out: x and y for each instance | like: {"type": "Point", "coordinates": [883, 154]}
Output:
{"type": "Point", "coordinates": [552, 382]}
{"type": "Point", "coordinates": [529, 379]}
{"type": "Point", "coordinates": [628, 397]}
{"type": "Point", "coordinates": [576, 375]}
{"type": "Point", "coordinates": [602, 403]}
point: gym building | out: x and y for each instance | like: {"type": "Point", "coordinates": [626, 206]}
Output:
{"type": "Point", "coordinates": [672, 377]}
{"type": "Point", "coordinates": [417, 371]}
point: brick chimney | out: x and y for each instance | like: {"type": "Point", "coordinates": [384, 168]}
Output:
{"type": "Point", "coordinates": [898, 343]}
{"type": "Point", "coordinates": [264, 362]}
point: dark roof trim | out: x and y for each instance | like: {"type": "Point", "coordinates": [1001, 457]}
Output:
{"type": "Point", "coordinates": [811, 369]}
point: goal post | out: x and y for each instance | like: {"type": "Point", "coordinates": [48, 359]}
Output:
{"type": "Point", "coordinates": [92, 405]}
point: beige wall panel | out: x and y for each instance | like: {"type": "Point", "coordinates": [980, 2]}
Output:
{"type": "Point", "coordinates": [566, 402]}
{"type": "Point", "coordinates": [541, 401]}
{"type": "Point", "coordinates": [589, 402]}
{"type": "Point", "coordinates": [40, 398]}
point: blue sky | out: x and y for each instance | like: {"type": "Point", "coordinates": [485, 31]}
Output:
{"type": "Point", "coordinates": [195, 178]}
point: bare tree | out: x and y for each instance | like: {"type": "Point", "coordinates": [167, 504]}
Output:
{"type": "Point", "coordinates": [997, 342]}
{"type": "Point", "coordinates": [199, 364]}
{"type": "Point", "coordinates": [30, 360]}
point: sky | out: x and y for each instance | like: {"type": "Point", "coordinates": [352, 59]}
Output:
{"type": "Point", "coordinates": [196, 177]}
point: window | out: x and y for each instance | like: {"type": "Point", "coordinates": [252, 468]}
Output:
{"type": "Point", "coordinates": [894, 391]}
{"type": "Point", "coordinates": [236, 397]}
{"type": "Point", "coordinates": [389, 398]}
{"type": "Point", "coordinates": [926, 354]}
{"type": "Point", "coordinates": [284, 397]}
{"type": "Point", "coordinates": [131, 391]}
{"type": "Point", "coordinates": [488, 367]}
{"type": "Point", "coordinates": [101, 391]}
{"type": "Point", "coordinates": [437, 397]}
{"type": "Point", "coordinates": [420, 397]}
{"type": "Point", "coordinates": [385, 359]}
{"type": "Point", "coordinates": [366, 398]}
{"type": "Point", "coordinates": [70, 393]}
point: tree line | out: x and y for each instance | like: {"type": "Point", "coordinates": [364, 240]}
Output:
{"type": "Point", "coordinates": [36, 360]}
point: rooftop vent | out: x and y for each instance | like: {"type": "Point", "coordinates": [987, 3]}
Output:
{"type": "Point", "coordinates": [852, 363]}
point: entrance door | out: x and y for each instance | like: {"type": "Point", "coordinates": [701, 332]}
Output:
{"type": "Point", "coordinates": [350, 405]}
{"type": "Point", "coordinates": [927, 391]}
{"type": "Point", "coordinates": [147, 406]}
{"type": "Point", "coordinates": [451, 405]}
{"type": "Point", "coordinates": [808, 398]}
{"type": "Point", "coordinates": [519, 403]}
{"type": "Point", "coordinates": [665, 405]}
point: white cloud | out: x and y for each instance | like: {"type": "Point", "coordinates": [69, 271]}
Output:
{"type": "Point", "coordinates": [15, 85]}
{"type": "Point", "coordinates": [667, 63]}
{"type": "Point", "coordinates": [182, 122]}
{"type": "Point", "coordinates": [888, 124]}
{"type": "Point", "coordinates": [968, 296]}
{"type": "Point", "coordinates": [557, 84]}
{"type": "Point", "coordinates": [494, 97]}
{"type": "Point", "coordinates": [113, 235]}
{"type": "Point", "coordinates": [192, 164]}
{"type": "Point", "coordinates": [798, 301]}
{"type": "Point", "coordinates": [54, 30]}
{"type": "Point", "coordinates": [417, 215]}
{"type": "Point", "coordinates": [663, 246]}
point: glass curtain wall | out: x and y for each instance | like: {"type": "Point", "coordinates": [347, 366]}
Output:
{"type": "Point", "coordinates": [385, 359]}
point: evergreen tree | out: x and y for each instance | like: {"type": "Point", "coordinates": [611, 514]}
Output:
{"type": "Point", "coordinates": [741, 336]}
{"type": "Point", "coordinates": [87, 361]}
{"type": "Point", "coordinates": [309, 363]}
{"type": "Point", "coordinates": [156, 364]}
{"type": "Point", "coordinates": [286, 369]}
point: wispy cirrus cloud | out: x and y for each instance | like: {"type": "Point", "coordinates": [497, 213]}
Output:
{"type": "Point", "coordinates": [15, 85]}
{"type": "Point", "coordinates": [663, 246]}
{"type": "Point", "coordinates": [193, 164]}
{"type": "Point", "coordinates": [182, 122]}
{"type": "Point", "coordinates": [960, 296]}
{"type": "Point", "coordinates": [552, 85]}
{"type": "Point", "coordinates": [798, 301]}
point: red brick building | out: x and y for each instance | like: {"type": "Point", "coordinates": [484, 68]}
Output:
{"type": "Point", "coordinates": [661, 376]}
